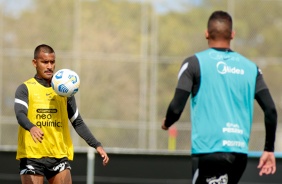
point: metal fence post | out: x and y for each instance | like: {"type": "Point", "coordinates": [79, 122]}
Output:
{"type": "Point", "coordinates": [90, 166]}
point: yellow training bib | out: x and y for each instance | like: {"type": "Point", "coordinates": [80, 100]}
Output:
{"type": "Point", "coordinates": [48, 111]}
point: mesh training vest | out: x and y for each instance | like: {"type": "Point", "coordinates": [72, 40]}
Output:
{"type": "Point", "coordinates": [48, 111]}
{"type": "Point", "coordinates": [222, 110]}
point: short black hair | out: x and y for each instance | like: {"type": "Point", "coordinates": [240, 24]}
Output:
{"type": "Point", "coordinates": [220, 25]}
{"type": "Point", "coordinates": [44, 48]}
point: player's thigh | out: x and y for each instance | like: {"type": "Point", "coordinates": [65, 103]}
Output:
{"type": "Point", "coordinates": [238, 168]}
{"type": "Point", "coordinates": [212, 168]}
{"type": "Point", "coordinates": [63, 177]}
{"type": "Point", "coordinates": [32, 179]}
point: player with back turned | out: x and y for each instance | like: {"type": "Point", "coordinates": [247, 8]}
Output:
{"type": "Point", "coordinates": [223, 85]}
{"type": "Point", "coordinates": [44, 141]}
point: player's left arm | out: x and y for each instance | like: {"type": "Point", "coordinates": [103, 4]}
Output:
{"type": "Point", "coordinates": [188, 82]}
{"type": "Point", "coordinates": [82, 129]}
{"type": "Point", "coordinates": [79, 125]}
{"type": "Point", "coordinates": [175, 108]}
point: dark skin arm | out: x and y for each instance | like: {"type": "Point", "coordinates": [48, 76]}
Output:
{"type": "Point", "coordinates": [267, 163]}
{"type": "Point", "coordinates": [175, 108]}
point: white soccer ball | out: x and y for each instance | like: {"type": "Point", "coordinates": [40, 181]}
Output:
{"type": "Point", "coordinates": [65, 82]}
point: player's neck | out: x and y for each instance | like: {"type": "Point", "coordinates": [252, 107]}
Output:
{"type": "Point", "coordinates": [219, 44]}
{"type": "Point", "coordinates": [44, 82]}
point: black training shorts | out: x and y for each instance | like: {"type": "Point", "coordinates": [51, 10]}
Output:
{"type": "Point", "coordinates": [218, 168]}
{"type": "Point", "coordinates": [47, 167]}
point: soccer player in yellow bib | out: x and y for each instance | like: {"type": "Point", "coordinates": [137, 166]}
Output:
{"type": "Point", "coordinates": [44, 141]}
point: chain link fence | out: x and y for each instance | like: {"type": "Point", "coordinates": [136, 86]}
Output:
{"type": "Point", "coordinates": [128, 54]}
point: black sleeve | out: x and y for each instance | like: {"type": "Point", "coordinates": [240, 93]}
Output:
{"type": "Point", "coordinates": [79, 125]}
{"type": "Point", "coordinates": [188, 82]}
{"type": "Point", "coordinates": [176, 106]}
{"type": "Point", "coordinates": [189, 75]}
{"type": "Point", "coordinates": [260, 84]}
{"type": "Point", "coordinates": [266, 103]}
{"type": "Point", "coordinates": [21, 107]}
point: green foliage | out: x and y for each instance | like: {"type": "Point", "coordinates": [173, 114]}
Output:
{"type": "Point", "coordinates": [258, 26]}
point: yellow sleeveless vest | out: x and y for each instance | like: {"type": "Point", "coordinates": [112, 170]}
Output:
{"type": "Point", "coordinates": [48, 111]}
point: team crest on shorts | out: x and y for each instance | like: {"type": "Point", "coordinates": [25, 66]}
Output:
{"type": "Point", "coordinates": [221, 180]}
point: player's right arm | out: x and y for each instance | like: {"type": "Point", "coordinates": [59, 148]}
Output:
{"type": "Point", "coordinates": [21, 108]}
{"type": "Point", "coordinates": [267, 163]}
{"type": "Point", "coordinates": [264, 99]}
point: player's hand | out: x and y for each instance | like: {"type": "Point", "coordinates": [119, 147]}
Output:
{"type": "Point", "coordinates": [36, 134]}
{"type": "Point", "coordinates": [163, 125]}
{"type": "Point", "coordinates": [103, 154]}
{"type": "Point", "coordinates": [267, 163]}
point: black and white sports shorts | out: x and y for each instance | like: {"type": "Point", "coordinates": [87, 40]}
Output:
{"type": "Point", "coordinates": [218, 168]}
{"type": "Point", "coordinates": [47, 167]}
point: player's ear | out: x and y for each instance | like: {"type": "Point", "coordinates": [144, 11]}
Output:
{"type": "Point", "coordinates": [34, 63]}
{"type": "Point", "coordinates": [207, 34]}
{"type": "Point", "coordinates": [232, 34]}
